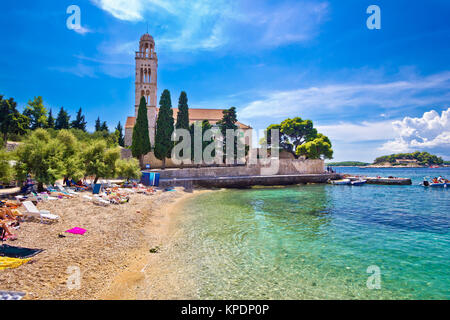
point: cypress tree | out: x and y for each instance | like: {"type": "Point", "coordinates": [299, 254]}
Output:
{"type": "Point", "coordinates": [98, 125]}
{"type": "Point", "coordinates": [164, 129]}
{"type": "Point", "coordinates": [50, 120]}
{"type": "Point", "coordinates": [183, 116]}
{"type": "Point", "coordinates": [121, 139]}
{"type": "Point", "coordinates": [228, 122]}
{"type": "Point", "coordinates": [104, 127]}
{"type": "Point", "coordinates": [140, 145]}
{"type": "Point", "coordinates": [62, 120]}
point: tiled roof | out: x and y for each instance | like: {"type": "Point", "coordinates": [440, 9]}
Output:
{"type": "Point", "coordinates": [212, 115]}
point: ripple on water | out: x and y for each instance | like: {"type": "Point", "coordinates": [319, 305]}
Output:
{"type": "Point", "coordinates": [316, 242]}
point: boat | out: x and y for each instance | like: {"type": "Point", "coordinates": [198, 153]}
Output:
{"type": "Point", "coordinates": [341, 182]}
{"type": "Point", "coordinates": [434, 167]}
{"type": "Point", "coordinates": [359, 182]}
{"type": "Point", "coordinates": [426, 183]}
{"type": "Point", "coordinates": [440, 185]}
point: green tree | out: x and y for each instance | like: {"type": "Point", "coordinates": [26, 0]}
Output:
{"type": "Point", "coordinates": [79, 122]}
{"type": "Point", "coordinates": [128, 169]}
{"type": "Point", "coordinates": [62, 120]}
{"type": "Point", "coordinates": [119, 133]}
{"type": "Point", "coordinates": [71, 150]}
{"type": "Point", "coordinates": [104, 127]}
{"type": "Point", "coordinates": [183, 116]}
{"type": "Point", "coordinates": [6, 170]}
{"type": "Point", "coordinates": [164, 129]}
{"type": "Point", "coordinates": [99, 160]}
{"type": "Point", "coordinates": [316, 149]}
{"type": "Point", "coordinates": [37, 113]}
{"type": "Point", "coordinates": [11, 120]}
{"type": "Point", "coordinates": [50, 121]}
{"type": "Point", "coordinates": [293, 133]}
{"type": "Point", "coordinates": [98, 125]}
{"type": "Point", "coordinates": [140, 144]}
{"type": "Point", "coordinates": [41, 156]}
{"type": "Point", "coordinates": [228, 122]}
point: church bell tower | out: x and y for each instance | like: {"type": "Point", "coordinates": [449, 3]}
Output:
{"type": "Point", "coordinates": [146, 81]}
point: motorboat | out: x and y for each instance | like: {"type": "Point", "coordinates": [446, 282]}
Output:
{"type": "Point", "coordinates": [341, 182]}
{"type": "Point", "coordinates": [359, 182]}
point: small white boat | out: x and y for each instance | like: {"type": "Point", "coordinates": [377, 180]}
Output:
{"type": "Point", "coordinates": [439, 185]}
{"type": "Point", "coordinates": [426, 183]}
{"type": "Point", "coordinates": [359, 182]}
{"type": "Point", "coordinates": [341, 182]}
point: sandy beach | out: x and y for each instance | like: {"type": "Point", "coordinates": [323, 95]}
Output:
{"type": "Point", "coordinates": [114, 255]}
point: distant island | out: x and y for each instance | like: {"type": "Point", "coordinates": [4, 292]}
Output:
{"type": "Point", "coordinates": [413, 160]}
{"type": "Point", "coordinates": [348, 164]}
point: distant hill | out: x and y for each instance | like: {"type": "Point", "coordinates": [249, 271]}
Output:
{"type": "Point", "coordinates": [416, 158]}
{"type": "Point", "coordinates": [347, 164]}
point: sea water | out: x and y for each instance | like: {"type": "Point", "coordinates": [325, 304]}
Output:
{"type": "Point", "coordinates": [318, 241]}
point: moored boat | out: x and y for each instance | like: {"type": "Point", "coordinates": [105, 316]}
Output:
{"type": "Point", "coordinates": [341, 182]}
{"type": "Point", "coordinates": [436, 184]}
{"type": "Point", "coordinates": [359, 182]}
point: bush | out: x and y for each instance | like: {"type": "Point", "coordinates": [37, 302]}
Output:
{"type": "Point", "coordinates": [42, 156]}
{"type": "Point", "coordinates": [100, 161]}
{"type": "Point", "coordinates": [6, 170]}
{"type": "Point", "coordinates": [128, 169]}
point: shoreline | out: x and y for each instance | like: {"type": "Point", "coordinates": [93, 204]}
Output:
{"type": "Point", "coordinates": [109, 257]}
{"type": "Point", "coordinates": [148, 277]}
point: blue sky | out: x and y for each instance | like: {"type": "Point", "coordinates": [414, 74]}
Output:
{"type": "Point", "coordinates": [373, 92]}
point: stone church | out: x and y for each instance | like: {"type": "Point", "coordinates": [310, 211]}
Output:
{"type": "Point", "coordinates": [146, 85]}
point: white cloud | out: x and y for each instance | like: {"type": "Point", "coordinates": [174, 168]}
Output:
{"type": "Point", "coordinates": [82, 30]}
{"type": "Point", "coordinates": [407, 93]}
{"type": "Point", "coordinates": [207, 25]}
{"type": "Point", "coordinates": [80, 70]}
{"type": "Point", "coordinates": [431, 132]}
{"type": "Point", "coordinates": [359, 132]}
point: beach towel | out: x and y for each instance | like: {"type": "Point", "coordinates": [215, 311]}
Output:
{"type": "Point", "coordinates": [10, 295]}
{"type": "Point", "coordinates": [7, 263]}
{"type": "Point", "coordinates": [77, 230]}
{"type": "Point", "coordinates": [18, 252]}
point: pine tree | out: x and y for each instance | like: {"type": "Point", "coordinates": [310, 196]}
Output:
{"type": "Point", "coordinates": [50, 120]}
{"type": "Point", "coordinates": [98, 125]}
{"type": "Point", "coordinates": [140, 145]}
{"type": "Point", "coordinates": [164, 129]}
{"type": "Point", "coordinates": [11, 120]}
{"type": "Point", "coordinates": [121, 139]}
{"type": "Point", "coordinates": [104, 127]}
{"type": "Point", "coordinates": [80, 121]}
{"type": "Point", "coordinates": [62, 120]}
{"type": "Point", "coordinates": [183, 116]}
{"type": "Point", "coordinates": [37, 113]}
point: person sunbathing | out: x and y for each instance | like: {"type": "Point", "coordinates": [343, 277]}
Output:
{"type": "Point", "coordinates": [7, 232]}
{"type": "Point", "coordinates": [6, 214]}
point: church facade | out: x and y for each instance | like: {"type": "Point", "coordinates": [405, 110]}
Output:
{"type": "Point", "coordinates": [146, 85]}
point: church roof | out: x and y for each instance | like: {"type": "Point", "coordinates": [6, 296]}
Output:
{"type": "Point", "coordinates": [147, 37]}
{"type": "Point", "coordinates": [212, 115]}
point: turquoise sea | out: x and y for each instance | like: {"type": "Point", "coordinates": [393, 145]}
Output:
{"type": "Point", "coordinates": [318, 241]}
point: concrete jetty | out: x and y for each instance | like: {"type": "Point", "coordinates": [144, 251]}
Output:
{"type": "Point", "coordinates": [385, 181]}
{"type": "Point", "coordinates": [247, 181]}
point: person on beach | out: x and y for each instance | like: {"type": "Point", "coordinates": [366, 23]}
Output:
{"type": "Point", "coordinates": [7, 219]}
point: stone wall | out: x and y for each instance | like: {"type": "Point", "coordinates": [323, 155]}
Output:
{"type": "Point", "coordinates": [286, 167]}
